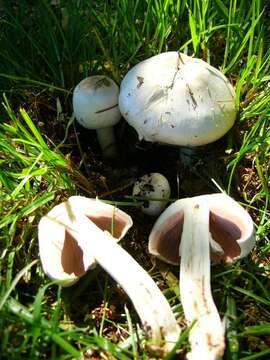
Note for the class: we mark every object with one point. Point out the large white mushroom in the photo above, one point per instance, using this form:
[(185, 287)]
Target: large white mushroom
[(175, 99), (95, 105), (192, 232), (80, 232)]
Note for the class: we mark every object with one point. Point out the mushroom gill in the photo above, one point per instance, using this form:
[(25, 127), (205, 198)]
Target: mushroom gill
[(115, 225), (72, 256), (167, 239), (224, 230)]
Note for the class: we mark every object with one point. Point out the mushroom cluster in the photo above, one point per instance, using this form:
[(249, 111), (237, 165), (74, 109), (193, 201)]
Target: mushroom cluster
[(173, 99), (170, 98)]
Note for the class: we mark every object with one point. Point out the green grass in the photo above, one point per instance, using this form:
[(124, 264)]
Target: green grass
[(44, 158)]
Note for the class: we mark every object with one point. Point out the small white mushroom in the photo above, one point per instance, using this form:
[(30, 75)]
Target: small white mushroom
[(175, 99), (153, 186), (186, 229), (95, 105), (76, 234)]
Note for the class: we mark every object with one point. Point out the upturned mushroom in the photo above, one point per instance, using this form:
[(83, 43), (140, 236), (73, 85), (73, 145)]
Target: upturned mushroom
[(154, 189), (80, 232), (62, 260), (172, 98), (192, 232), (95, 105)]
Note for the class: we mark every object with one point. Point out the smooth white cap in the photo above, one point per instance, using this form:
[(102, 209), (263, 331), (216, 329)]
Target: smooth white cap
[(175, 99), (153, 186), (95, 102)]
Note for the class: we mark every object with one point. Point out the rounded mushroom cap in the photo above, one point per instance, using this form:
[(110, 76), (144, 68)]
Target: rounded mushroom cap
[(176, 99), (152, 186), (61, 257), (230, 226), (95, 102)]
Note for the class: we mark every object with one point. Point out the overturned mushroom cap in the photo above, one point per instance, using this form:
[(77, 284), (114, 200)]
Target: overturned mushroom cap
[(62, 259), (95, 102), (175, 99), (77, 233), (231, 230), (191, 228)]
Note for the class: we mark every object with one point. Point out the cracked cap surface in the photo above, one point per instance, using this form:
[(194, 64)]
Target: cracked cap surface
[(175, 99)]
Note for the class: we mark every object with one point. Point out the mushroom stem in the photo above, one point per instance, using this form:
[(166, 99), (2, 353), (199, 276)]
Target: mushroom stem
[(107, 142), (187, 155), (207, 336), (152, 307)]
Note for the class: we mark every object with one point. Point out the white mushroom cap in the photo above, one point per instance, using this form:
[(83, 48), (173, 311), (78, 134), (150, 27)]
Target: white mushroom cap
[(230, 226), (152, 186), (62, 260), (95, 102), (175, 99)]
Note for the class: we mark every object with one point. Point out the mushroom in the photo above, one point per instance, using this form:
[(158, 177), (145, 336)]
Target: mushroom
[(198, 229), (175, 99), (80, 232), (95, 105), (155, 188), (60, 256)]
